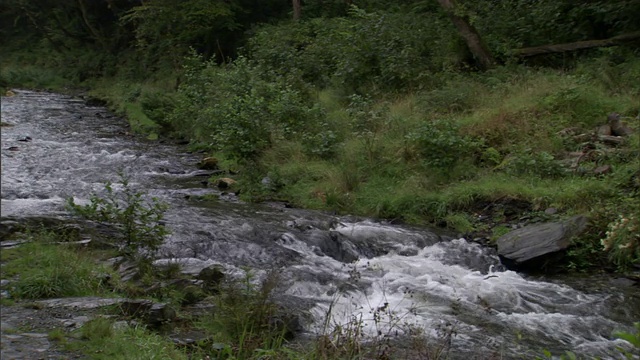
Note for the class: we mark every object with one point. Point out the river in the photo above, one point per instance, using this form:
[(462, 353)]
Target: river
[(335, 269)]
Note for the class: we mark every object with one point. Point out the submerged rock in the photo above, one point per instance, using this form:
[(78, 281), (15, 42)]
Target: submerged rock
[(526, 246)]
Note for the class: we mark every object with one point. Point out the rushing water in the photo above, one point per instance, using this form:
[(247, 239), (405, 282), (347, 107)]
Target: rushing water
[(334, 269)]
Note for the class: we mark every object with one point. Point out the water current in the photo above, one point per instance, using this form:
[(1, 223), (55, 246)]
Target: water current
[(334, 269)]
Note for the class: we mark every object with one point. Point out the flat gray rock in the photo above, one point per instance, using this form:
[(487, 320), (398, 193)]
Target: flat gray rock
[(537, 240)]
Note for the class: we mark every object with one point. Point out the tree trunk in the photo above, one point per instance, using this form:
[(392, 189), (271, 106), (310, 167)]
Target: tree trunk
[(297, 10), (94, 32), (469, 34), (579, 45)]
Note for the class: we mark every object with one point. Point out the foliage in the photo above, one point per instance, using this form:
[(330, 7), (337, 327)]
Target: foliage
[(140, 222), (528, 163), (246, 324), (157, 106), (633, 338), (393, 50), (47, 269), (622, 240), (521, 23), (248, 111), (440, 145), (101, 339)]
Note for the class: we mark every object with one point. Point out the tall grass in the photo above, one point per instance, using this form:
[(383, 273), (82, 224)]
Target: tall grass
[(46, 268)]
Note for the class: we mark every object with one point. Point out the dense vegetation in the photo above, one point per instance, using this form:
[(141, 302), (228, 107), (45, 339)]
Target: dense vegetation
[(369, 108)]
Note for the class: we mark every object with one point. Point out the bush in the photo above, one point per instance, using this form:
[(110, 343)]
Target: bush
[(158, 106), (622, 241), (366, 51), (440, 145), (246, 323), (241, 109), (539, 164), (140, 222)]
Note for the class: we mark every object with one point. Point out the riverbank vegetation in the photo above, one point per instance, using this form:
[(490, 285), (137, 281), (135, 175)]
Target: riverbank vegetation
[(364, 108)]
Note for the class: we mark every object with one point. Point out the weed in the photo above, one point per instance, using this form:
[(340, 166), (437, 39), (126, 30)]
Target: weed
[(49, 270), (57, 335), (140, 222), (246, 322), (100, 340)]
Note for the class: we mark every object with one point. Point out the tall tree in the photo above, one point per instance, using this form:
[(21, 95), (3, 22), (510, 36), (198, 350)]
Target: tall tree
[(469, 34), (297, 10)]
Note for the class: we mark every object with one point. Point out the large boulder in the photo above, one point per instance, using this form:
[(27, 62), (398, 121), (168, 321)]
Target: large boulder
[(532, 244)]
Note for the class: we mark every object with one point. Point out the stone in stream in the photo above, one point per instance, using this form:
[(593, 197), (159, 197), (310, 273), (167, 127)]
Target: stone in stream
[(532, 245), (209, 163), (211, 277), (225, 183)]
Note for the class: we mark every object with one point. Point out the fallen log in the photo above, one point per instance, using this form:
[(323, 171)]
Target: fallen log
[(578, 45)]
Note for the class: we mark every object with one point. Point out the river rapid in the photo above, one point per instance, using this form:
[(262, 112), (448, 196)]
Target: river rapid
[(394, 279)]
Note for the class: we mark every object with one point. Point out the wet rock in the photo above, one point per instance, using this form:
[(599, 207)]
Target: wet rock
[(95, 102), (9, 93), (13, 148), (602, 170), (25, 138), (76, 322), (526, 246), (172, 171), (190, 338), (89, 302), (188, 266), (153, 314), (333, 245), (225, 183), (604, 130), (12, 244), (160, 313), (200, 308), (211, 277), (8, 227), (618, 128), (128, 270), (373, 239), (209, 163)]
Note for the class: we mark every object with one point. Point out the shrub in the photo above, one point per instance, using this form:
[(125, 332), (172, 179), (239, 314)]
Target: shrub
[(157, 106), (139, 221), (540, 164), (366, 51), (241, 109), (622, 241), (246, 322), (440, 145)]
